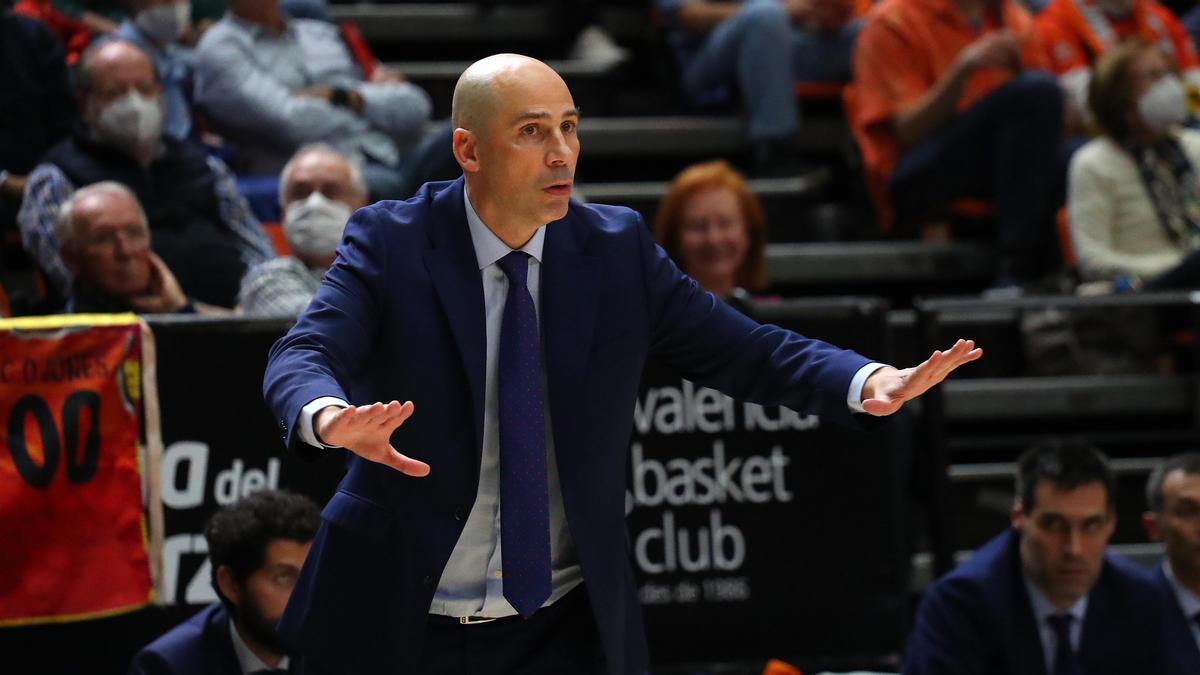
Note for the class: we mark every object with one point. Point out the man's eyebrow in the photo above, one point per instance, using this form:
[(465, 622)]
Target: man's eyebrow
[(536, 115)]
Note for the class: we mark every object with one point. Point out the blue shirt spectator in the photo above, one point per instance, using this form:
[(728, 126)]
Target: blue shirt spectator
[(272, 84)]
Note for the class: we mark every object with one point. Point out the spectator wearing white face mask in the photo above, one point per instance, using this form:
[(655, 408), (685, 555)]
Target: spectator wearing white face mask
[(157, 26), (1077, 32), (319, 190), (203, 229), (1134, 193)]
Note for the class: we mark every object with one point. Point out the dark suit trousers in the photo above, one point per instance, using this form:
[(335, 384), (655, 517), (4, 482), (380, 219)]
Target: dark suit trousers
[(561, 638)]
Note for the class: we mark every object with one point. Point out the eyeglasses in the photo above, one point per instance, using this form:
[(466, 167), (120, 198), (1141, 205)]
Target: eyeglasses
[(106, 240)]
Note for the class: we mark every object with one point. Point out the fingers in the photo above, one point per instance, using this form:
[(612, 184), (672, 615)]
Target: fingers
[(405, 465), (395, 414), (366, 431), (941, 364)]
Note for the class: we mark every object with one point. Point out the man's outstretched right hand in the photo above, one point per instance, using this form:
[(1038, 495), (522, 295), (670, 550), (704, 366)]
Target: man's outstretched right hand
[(366, 431)]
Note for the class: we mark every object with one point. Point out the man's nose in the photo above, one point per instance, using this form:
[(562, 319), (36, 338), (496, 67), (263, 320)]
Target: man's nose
[(559, 151), (1074, 543)]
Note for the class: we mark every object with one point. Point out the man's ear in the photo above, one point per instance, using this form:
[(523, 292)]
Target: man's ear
[(1151, 525), (229, 586), (1017, 515), (466, 150)]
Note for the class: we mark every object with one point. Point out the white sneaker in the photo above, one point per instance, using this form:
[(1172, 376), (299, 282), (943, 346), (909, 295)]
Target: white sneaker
[(596, 45)]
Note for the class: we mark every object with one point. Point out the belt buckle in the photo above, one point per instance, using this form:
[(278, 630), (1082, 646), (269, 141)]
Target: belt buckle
[(473, 620)]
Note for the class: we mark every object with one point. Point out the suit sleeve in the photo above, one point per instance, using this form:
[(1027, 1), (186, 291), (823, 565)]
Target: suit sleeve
[(948, 637), (717, 346), (331, 341)]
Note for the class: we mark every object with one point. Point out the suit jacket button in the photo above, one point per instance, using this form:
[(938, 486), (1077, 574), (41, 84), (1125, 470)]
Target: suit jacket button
[(427, 580), (460, 514)]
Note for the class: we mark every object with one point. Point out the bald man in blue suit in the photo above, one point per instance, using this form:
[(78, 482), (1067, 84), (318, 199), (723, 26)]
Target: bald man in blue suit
[(518, 320)]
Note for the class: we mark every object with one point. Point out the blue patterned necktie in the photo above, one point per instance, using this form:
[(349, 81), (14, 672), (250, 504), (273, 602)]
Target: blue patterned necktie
[(1065, 662), (524, 501)]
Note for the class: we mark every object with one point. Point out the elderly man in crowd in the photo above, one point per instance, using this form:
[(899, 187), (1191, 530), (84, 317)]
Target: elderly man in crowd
[(202, 227), (319, 190), (273, 84), (104, 240)]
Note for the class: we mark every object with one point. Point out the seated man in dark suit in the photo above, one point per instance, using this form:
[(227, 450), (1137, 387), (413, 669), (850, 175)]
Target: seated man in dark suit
[(1173, 517), (257, 547), (1044, 597)]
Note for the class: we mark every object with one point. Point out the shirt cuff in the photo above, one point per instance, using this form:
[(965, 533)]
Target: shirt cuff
[(854, 396), (308, 433)]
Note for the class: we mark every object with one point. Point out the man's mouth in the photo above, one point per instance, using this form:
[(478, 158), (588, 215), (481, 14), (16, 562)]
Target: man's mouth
[(560, 189)]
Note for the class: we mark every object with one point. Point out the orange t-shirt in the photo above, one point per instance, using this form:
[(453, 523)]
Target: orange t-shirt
[(902, 51), (1071, 43)]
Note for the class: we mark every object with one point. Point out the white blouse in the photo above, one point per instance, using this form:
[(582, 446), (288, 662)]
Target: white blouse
[(1114, 227)]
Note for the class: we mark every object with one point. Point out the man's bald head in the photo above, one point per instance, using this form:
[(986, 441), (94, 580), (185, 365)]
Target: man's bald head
[(112, 62), (482, 86), (516, 142)]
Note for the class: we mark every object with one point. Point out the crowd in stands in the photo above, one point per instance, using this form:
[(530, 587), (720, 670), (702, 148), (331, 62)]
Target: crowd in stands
[(957, 107)]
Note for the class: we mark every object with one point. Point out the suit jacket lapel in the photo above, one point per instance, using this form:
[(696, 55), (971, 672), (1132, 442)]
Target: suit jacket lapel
[(1027, 653), (1178, 627), (220, 644), (454, 270), (570, 294)]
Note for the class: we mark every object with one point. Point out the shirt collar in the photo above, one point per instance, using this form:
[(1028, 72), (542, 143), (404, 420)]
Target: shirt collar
[(1043, 608), (255, 30), (488, 247), (1188, 601), (247, 659)]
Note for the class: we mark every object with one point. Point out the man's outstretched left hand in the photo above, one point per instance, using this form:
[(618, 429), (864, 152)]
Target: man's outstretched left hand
[(887, 388)]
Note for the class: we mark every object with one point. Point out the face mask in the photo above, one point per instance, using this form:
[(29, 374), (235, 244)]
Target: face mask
[(313, 226), (164, 24), (1164, 104), (132, 123)]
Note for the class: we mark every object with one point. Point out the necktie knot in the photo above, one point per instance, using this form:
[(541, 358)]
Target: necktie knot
[(1061, 623), (515, 266)]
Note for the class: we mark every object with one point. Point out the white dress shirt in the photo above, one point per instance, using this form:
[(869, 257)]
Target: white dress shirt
[(247, 659), (1043, 609)]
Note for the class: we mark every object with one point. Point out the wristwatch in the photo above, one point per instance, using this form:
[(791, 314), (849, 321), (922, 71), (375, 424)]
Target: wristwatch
[(340, 97)]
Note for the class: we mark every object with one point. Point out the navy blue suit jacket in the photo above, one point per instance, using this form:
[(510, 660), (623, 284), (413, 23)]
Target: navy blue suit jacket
[(978, 620), (1183, 656), (199, 646), (400, 315)]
